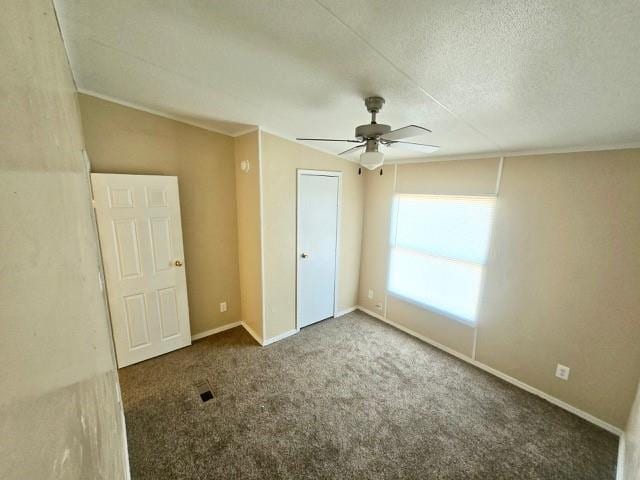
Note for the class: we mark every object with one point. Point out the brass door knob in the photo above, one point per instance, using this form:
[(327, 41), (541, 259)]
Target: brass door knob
[(178, 263)]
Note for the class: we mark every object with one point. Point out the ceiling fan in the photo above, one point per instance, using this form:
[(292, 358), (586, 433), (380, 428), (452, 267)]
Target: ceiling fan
[(370, 136)]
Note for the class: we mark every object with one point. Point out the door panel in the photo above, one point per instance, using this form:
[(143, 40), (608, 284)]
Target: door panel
[(156, 197), (169, 318), (161, 241), (120, 198), (135, 311), (126, 240), (141, 240), (317, 243)]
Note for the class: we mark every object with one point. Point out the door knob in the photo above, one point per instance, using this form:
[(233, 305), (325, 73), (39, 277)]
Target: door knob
[(304, 255), (178, 263)]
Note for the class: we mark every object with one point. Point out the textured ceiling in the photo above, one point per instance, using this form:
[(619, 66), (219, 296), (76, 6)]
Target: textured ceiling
[(500, 76)]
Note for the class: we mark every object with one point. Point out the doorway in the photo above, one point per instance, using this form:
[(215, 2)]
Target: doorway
[(318, 223)]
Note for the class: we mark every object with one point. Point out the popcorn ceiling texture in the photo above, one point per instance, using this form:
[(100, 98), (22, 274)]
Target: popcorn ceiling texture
[(346, 398), (507, 75)]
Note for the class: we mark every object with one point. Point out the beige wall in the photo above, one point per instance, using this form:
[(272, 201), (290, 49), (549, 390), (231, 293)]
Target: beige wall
[(561, 276), (124, 140), (60, 411), (249, 235), (471, 177), (631, 467), (378, 194), (280, 160), (561, 283)]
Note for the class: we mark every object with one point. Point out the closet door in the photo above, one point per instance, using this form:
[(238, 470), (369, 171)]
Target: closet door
[(318, 202)]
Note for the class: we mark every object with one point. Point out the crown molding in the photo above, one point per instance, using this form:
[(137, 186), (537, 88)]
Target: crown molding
[(519, 153)]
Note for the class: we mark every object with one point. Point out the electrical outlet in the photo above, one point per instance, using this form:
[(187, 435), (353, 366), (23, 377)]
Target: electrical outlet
[(379, 306), (370, 294), (223, 306), (562, 371)]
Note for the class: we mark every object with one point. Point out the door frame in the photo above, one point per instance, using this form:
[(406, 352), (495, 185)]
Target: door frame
[(319, 173)]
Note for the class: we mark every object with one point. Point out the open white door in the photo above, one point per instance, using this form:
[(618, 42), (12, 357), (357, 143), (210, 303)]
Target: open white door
[(318, 212), (141, 242)]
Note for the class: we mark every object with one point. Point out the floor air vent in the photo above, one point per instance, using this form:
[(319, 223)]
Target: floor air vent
[(204, 390)]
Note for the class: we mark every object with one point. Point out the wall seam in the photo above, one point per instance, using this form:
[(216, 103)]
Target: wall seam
[(386, 278), (262, 272)]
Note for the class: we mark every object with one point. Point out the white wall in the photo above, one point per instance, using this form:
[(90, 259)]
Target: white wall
[(60, 411)]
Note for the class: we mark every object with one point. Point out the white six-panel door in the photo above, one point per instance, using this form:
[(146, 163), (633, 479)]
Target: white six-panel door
[(141, 241), (318, 213)]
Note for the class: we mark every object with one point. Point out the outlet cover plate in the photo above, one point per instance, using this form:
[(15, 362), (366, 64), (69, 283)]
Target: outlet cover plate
[(562, 372)]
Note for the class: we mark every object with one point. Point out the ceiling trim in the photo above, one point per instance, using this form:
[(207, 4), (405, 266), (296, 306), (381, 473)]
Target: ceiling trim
[(312, 147), (169, 116), (519, 153), (244, 132)]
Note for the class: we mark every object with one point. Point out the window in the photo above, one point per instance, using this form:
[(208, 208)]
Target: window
[(438, 250)]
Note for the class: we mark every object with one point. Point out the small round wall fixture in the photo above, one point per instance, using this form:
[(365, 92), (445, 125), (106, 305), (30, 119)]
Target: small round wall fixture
[(245, 166)]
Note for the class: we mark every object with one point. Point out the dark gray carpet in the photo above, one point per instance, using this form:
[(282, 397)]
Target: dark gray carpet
[(346, 398)]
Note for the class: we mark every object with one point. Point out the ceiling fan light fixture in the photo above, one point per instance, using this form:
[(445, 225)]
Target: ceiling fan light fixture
[(371, 160)]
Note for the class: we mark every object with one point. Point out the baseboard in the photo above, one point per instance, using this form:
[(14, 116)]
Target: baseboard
[(213, 331), (620, 466), (344, 312), (255, 336), (514, 381), (374, 314), (277, 338), (284, 335)]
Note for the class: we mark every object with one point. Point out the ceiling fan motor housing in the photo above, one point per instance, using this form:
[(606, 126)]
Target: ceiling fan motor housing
[(374, 104), (372, 130)]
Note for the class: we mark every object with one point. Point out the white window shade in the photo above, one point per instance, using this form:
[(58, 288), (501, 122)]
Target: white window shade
[(439, 248)]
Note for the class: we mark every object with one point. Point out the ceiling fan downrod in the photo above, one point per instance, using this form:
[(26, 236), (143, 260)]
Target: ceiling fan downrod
[(374, 105)]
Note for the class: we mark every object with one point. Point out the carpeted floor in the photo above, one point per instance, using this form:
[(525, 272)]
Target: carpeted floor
[(348, 398)]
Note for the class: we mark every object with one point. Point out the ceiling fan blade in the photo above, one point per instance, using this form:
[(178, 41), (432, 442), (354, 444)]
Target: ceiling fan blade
[(327, 140), (416, 147), (405, 132), (352, 149)]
